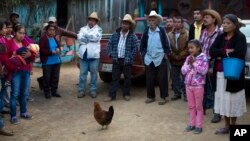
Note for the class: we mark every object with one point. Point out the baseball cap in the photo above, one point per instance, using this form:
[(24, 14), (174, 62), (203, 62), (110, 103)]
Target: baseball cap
[(52, 19)]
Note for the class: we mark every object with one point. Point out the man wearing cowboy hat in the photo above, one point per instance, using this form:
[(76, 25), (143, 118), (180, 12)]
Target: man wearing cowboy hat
[(122, 47), (14, 18), (154, 49), (89, 38), (211, 21)]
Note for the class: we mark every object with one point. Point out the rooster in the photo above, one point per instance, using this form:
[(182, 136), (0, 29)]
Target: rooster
[(103, 117)]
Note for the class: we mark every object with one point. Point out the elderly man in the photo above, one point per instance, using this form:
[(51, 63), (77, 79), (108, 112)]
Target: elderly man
[(178, 40), (154, 49), (89, 37), (122, 47), (211, 21)]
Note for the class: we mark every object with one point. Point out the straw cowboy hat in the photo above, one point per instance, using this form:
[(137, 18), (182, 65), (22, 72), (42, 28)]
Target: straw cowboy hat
[(154, 14), (93, 15), (241, 24), (129, 19), (214, 14)]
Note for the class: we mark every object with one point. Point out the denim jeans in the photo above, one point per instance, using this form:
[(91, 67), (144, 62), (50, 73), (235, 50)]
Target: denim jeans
[(19, 91), (5, 91), (1, 122), (92, 67), (1, 95)]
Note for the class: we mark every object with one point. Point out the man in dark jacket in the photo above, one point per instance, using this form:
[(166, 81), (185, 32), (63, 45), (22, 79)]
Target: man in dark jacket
[(197, 27), (154, 49), (122, 47)]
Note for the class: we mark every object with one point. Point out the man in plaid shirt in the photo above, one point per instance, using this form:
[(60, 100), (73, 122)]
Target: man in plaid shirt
[(122, 47), (212, 21)]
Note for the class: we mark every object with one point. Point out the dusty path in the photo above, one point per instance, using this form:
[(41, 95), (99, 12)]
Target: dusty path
[(67, 118)]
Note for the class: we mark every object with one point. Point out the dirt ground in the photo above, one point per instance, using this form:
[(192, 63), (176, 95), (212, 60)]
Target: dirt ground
[(71, 119)]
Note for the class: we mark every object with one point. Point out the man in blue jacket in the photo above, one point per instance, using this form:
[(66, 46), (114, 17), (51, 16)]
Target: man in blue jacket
[(154, 49)]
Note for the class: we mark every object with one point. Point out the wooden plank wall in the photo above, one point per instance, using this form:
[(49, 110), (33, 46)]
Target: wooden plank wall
[(109, 11)]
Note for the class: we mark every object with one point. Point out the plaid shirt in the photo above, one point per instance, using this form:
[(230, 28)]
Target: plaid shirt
[(121, 45), (207, 41), (131, 47)]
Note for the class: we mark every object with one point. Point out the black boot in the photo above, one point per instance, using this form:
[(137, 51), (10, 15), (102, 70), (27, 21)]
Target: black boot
[(40, 82), (216, 118)]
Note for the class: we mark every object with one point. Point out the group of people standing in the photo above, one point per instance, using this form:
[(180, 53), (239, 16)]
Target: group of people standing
[(194, 58)]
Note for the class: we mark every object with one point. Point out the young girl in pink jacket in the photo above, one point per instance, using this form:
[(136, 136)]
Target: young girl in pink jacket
[(194, 70)]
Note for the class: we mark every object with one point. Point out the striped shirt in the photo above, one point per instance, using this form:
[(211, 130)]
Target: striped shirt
[(207, 41), (121, 45)]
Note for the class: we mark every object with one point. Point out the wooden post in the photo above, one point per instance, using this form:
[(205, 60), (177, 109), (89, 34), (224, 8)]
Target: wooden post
[(210, 4)]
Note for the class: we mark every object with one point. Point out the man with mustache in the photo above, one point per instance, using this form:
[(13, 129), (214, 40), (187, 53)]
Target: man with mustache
[(212, 21)]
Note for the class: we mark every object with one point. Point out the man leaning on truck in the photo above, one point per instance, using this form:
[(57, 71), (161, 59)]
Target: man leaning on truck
[(122, 48), (89, 38)]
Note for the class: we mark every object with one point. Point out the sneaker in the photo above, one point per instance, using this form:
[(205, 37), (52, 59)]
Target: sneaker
[(93, 94), (6, 132), (197, 130), (56, 95), (30, 99), (40, 83), (175, 97), (81, 94), (222, 131), (47, 96), (189, 128), (149, 100), (108, 99), (216, 118), (126, 98), (14, 121), (162, 101), (26, 116)]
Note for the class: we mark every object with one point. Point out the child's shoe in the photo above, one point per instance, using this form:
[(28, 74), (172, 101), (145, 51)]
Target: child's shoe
[(189, 128), (197, 130)]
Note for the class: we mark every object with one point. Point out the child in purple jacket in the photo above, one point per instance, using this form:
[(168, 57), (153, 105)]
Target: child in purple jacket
[(194, 70)]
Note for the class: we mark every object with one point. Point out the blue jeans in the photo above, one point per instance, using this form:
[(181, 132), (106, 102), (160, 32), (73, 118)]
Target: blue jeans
[(5, 91), (92, 67), (1, 107), (19, 91), (1, 122)]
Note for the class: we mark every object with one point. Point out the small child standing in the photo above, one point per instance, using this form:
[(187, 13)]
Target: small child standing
[(194, 70)]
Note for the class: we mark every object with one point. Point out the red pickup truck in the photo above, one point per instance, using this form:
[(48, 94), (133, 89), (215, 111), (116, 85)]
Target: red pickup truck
[(105, 67)]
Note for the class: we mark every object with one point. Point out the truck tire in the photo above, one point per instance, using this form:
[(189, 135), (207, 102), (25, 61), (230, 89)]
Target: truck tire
[(105, 76)]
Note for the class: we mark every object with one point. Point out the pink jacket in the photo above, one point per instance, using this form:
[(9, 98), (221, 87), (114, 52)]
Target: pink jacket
[(195, 74)]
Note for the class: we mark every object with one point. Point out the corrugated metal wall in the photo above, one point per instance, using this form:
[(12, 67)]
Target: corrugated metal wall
[(109, 11)]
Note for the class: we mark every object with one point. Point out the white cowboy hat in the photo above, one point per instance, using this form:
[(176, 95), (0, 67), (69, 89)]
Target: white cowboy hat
[(52, 19), (94, 15), (129, 19), (154, 14)]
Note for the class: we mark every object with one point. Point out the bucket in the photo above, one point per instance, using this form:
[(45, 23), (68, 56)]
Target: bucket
[(232, 68)]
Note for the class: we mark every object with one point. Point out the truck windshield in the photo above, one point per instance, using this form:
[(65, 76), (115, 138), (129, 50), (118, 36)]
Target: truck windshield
[(140, 26), (245, 30)]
